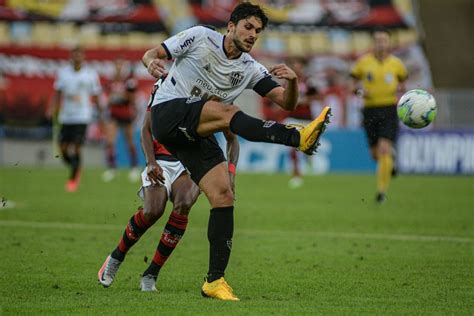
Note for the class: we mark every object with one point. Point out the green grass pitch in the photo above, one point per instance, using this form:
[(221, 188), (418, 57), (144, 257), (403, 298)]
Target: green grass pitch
[(325, 248)]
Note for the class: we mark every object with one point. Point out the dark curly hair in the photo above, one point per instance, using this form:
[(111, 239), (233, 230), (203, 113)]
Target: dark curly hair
[(247, 9)]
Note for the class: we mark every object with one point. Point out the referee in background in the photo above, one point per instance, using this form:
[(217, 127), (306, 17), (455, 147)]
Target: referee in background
[(378, 76)]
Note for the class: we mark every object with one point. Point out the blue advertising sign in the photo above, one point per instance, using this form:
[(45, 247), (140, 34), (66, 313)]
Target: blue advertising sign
[(340, 151), (418, 151), (445, 152)]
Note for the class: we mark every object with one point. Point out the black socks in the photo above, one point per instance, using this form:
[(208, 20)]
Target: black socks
[(257, 130), (219, 232), (75, 161)]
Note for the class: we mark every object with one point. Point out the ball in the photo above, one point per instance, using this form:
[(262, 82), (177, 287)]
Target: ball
[(416, 108)]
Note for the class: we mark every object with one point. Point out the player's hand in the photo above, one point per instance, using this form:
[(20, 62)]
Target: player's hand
[(359, 93), (232, 183), (155, 173), (157, 68), (282, 71)]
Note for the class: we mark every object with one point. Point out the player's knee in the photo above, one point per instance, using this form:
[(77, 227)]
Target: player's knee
[(230, 111), (152, 214), (225, 113), (183, 206), (384, 149), (221, 197)]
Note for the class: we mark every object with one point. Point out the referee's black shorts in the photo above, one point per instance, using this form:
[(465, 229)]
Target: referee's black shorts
[(174, 124), (380, 122)]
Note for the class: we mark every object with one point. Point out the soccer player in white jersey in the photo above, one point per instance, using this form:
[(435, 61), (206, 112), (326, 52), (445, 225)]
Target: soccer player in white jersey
[(74, 87), (209, 72), (163, 179)]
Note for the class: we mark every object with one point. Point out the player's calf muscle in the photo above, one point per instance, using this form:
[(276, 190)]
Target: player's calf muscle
[(183, 206)]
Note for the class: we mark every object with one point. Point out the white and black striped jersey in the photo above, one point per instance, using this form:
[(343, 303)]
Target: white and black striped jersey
[(202, 69)]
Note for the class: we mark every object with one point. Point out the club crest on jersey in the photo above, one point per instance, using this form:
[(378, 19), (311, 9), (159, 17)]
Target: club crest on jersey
[(236, 78)]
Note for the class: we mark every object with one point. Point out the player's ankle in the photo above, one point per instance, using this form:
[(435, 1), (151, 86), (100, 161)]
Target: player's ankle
[(117, 254)]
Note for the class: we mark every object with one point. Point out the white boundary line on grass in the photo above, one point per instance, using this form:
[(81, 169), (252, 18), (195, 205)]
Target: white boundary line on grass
[(343, 235)]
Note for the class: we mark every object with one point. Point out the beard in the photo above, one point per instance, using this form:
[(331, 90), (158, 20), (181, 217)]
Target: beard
[(240, 46)]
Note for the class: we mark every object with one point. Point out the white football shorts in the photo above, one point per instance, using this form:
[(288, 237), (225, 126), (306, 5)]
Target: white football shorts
[(171, 171)]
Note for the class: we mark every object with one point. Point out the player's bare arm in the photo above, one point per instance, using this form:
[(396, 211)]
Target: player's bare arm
[(55, 105), (286, 98), (96, 102), (355, 87), (153, 170), (153, 60), (401, 88), (233, 149)]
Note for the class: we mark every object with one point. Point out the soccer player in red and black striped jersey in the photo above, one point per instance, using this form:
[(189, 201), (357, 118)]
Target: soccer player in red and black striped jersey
[(164, 178), (121, 90)]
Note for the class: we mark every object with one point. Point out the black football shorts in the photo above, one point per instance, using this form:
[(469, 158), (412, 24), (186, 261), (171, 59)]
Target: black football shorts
[(380, 122), (174, 124)]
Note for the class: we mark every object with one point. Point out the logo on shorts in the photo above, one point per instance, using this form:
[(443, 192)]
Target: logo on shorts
[(193, 98), (229, 244), (186, 134), (268, 124), (236, 78)]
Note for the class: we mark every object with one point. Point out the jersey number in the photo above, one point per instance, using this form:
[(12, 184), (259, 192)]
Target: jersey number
[(197, 92)]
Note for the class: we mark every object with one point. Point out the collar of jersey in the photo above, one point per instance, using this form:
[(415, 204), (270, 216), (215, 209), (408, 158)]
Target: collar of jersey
[(225, 53)]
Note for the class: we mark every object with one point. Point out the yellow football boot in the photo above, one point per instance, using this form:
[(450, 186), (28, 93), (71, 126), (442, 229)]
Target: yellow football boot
[(310, 134), (218, 289)]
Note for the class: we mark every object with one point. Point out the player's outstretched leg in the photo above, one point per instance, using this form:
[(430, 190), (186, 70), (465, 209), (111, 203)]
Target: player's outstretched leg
[(155, 201), (384, 168), (172, 234), (75, 163), (305, 139), (185, 194), (136, 227), (108, 271), (311, 133), (110, 154)]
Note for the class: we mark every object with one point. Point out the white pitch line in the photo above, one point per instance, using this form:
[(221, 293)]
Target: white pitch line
[(343, 235)]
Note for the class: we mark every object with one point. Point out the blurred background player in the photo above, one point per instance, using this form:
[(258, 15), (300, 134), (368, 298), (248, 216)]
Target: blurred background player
[(74, 87), (382, 76), (3, 95), (121, 92), (302, 115), (163, 179)]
